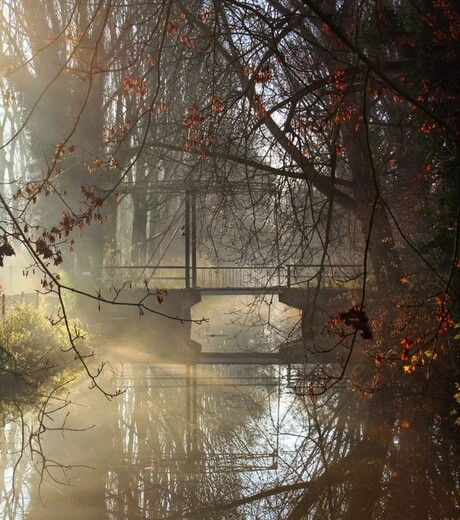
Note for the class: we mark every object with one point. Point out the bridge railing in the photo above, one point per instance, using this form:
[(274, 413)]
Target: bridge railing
[(240, 277), (206, 277), (235, 277)]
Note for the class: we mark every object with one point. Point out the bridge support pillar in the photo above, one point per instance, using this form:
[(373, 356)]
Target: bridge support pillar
[(163, 335), (317, 306)]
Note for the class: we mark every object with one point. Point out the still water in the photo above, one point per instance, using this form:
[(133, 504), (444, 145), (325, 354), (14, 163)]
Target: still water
[(177, 440), (230, 442)]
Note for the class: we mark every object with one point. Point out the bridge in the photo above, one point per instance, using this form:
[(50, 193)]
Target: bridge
[(295, 285), (301, 286)]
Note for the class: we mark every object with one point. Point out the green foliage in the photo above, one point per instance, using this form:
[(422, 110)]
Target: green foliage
[(32, 355)]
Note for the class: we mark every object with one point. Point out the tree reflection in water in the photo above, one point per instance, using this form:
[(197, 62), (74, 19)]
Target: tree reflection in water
[(247, 452)]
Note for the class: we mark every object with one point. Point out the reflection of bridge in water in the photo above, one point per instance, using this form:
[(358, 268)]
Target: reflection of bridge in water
[(199, 390)]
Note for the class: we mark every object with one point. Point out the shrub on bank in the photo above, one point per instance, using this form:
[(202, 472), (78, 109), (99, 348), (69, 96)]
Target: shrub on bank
[(33, 360)]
